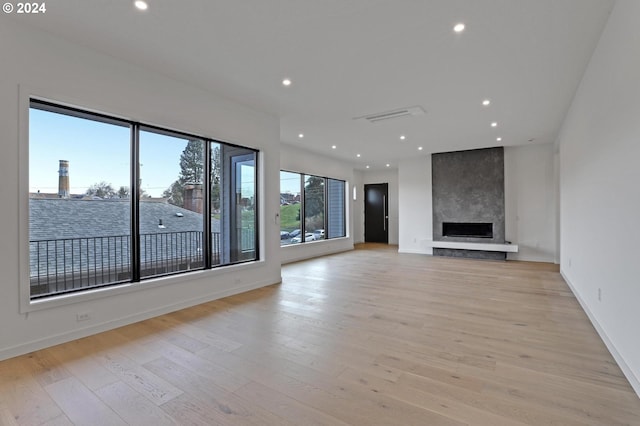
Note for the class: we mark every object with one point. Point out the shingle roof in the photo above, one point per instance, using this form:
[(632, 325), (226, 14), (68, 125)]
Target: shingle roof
[(76, 243), (51, 219)]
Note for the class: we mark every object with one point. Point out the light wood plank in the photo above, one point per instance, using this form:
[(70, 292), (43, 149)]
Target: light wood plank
[(131, 406), (221, 404), (77, 358), (148, 384), (364, 337), (285, 407), (23, 397), (81, 405)]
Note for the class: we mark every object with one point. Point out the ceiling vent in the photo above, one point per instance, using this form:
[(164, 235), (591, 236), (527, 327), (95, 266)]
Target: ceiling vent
[(396, 113)]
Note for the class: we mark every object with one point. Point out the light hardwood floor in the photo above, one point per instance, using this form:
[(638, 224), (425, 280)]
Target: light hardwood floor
[(368, 337)]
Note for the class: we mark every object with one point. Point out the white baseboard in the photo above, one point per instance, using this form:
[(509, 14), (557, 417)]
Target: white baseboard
[(414, 251), (626, 370), (57, 339), (305, 253)]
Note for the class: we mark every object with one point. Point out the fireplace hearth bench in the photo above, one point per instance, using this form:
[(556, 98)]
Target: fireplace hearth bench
[(507, 248)]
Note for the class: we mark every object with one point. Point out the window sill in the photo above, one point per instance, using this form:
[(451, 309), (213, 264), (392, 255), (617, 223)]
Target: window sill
[(306, 243), (90, 295)]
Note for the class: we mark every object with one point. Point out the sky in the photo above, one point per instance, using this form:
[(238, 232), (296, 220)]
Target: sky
[(100, 152), (289, 182)]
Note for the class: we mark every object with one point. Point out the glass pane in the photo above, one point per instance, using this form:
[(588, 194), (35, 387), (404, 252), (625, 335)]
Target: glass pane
[(335, 208), (244, 188), (79, 210), (237, 214), (171, 203), (314, 208), (290, 224), (216, 204)]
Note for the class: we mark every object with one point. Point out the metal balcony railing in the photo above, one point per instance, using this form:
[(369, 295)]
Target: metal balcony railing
[(64, 265)]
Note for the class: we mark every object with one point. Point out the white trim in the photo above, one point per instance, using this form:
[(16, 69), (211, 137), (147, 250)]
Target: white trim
[(57, 339), (414, 251), (23, 199), (313, 249), (129, 287), (634, 381), (509, 248)]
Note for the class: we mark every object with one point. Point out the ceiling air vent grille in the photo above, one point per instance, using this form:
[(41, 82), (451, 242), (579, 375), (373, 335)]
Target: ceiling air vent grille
[(389, 115)]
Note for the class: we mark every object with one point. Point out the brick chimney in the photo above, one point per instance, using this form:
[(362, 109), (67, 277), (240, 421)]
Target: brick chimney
[(193, 197), (63, 179)]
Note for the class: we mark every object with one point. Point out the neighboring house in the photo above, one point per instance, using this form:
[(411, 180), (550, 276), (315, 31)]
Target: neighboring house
[(78, 242), (289, 198)]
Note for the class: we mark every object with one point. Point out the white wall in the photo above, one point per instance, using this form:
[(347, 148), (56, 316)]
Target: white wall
[(357, 207), (600, 189), (295, 159), (34, 63), (415, 206), (383, 176), (530, 201)]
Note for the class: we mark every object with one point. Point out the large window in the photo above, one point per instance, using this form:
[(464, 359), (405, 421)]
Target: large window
[(311, 208), (128, 201)]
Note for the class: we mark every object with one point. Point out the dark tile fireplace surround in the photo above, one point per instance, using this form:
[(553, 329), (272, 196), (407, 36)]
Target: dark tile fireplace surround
[(468, 200)]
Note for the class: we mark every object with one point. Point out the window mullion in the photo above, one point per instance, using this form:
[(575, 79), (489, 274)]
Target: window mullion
[(206, 206), (326, 208), (135, 203), (303, 213)]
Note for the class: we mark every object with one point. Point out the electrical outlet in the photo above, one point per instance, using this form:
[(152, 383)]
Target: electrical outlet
[(599, 295), (83, 316)]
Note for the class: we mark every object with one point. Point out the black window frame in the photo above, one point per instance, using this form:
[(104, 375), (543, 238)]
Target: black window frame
[(303, 229), (135, 127)]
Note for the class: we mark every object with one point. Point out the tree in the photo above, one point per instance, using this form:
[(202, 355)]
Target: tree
[(314, 196), (174, 194), (123, 192), (102, 190), (192, 171), (143, 194), (215, 178), (191, 163), (314, 203)]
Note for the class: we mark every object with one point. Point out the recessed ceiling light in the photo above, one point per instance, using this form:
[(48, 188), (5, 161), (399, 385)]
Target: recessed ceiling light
[(141, 4), (301, 135), (388, 165), (419, 148), (499, 139), (402, 137), (333, 147), (486, 102), (358, 155), (458, 27), (286, 82), (367, 166), (494, 124)]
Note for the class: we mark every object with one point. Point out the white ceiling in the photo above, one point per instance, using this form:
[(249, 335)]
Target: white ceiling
[(349, 58)]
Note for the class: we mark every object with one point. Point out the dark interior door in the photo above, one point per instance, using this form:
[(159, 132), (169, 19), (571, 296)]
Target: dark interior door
[(376, 216)]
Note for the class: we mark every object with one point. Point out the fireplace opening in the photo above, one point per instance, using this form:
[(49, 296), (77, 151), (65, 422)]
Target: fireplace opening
[(463, 229)]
